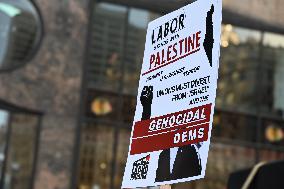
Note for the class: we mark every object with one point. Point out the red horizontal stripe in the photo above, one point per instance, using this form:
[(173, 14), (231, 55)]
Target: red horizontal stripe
[(165, 141), (141, 128)]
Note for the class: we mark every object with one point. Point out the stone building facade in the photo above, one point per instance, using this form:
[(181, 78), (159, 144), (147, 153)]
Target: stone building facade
[(268, 11), (51, 83)]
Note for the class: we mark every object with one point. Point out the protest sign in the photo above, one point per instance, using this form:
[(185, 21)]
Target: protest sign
[(176, 97)]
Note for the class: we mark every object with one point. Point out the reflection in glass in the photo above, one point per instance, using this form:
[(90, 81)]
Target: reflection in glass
[(21, 151), (272, 132), (238, 68), (122, 148), (3, 137), (273, 74), (234, 126), (96, 156), (20, 33), (273, 40), (116, 54), (106, 47), (4, 31), (117, 47), (102, 105), (135, 41)]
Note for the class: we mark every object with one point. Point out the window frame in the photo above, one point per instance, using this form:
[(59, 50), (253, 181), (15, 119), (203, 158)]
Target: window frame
[(14, 109)]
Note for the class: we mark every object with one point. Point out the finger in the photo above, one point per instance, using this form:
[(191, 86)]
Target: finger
[(165, 187)]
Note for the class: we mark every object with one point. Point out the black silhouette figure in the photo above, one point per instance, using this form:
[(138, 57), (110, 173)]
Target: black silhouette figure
[(146, 99), (209, 40), (186, 164)]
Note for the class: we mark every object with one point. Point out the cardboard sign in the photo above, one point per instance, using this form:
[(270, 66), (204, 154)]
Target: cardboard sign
[(176, 97)]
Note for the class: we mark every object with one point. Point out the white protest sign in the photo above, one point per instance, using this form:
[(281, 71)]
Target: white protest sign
[(176, 97)]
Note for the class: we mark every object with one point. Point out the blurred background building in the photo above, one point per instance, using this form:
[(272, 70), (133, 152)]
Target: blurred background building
[(66, 116)]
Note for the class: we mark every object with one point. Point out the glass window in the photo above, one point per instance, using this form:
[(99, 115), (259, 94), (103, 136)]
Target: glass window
[(238, 69), (21, 151), (4, 32), (116, 53), (237, 100), (3, 138), (96, 156), (106, 50), (121, 157), (135, 42), (20, 33), (272, 76), (234, 126)]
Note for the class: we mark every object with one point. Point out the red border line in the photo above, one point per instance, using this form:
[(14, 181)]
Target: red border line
[(173, 130), (177, 125), (171, 61)]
